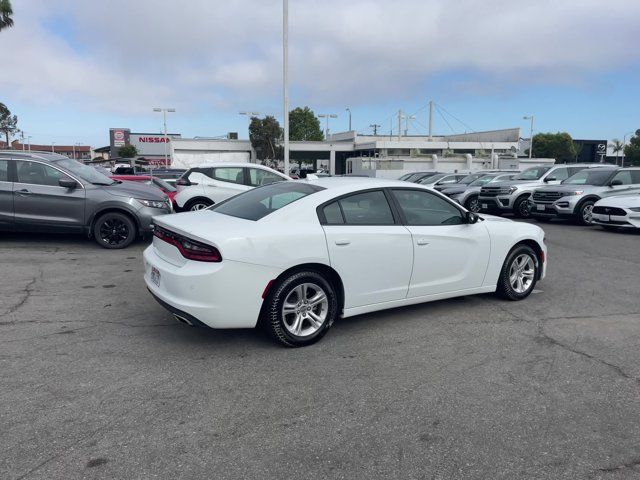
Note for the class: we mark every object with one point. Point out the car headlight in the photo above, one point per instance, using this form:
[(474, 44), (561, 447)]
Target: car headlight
[(512, 189), (575, 192), (635, 209), (152, 203)]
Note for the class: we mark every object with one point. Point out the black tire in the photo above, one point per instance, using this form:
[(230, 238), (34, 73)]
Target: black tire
[(585, 213), (280, 327), (522, 208), (505, 289), (197, 204), (472, 204), (114, 230)]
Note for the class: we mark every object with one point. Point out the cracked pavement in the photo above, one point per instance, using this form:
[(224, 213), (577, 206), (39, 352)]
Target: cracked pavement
[(98, 381)]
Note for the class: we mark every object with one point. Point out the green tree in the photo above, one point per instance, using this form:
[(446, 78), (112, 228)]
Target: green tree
[(5, 14), (304, 125), (554, 145), (632, 151), (127, 151), (617, 147), (8, 123), (265, 135)]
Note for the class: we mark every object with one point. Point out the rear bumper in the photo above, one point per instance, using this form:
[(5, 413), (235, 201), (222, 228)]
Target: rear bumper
[(219, 295)]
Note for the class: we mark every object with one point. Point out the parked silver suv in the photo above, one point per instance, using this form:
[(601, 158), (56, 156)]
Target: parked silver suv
[(576, 196), (513, 196), (47, 192)]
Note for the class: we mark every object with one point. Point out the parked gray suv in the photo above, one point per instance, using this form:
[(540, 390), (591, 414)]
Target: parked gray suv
[(47, 192), (575, 197)]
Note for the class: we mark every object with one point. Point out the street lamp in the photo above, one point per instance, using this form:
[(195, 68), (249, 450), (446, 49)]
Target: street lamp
[(77, 144), (624, 142), (52, 144), (285, 81), (530, 117), (327, 116), (349, 110), (29, 141), (166, 137)]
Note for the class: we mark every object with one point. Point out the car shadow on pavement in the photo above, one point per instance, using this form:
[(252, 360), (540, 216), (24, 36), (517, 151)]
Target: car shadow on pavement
[(61, 240)]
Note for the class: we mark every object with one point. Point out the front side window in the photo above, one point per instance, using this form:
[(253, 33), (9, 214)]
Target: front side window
[(425, 208), (481, 181), (560, 174), (368, 208), (35, 173), (85, 172), (589, 176), (259, 177), (259, 202), (229, 174), (623, 176)]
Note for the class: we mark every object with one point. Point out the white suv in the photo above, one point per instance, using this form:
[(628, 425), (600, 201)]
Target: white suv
[(209, 183)]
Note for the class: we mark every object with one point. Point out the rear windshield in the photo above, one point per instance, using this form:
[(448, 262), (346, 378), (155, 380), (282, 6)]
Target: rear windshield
[(260, 202)]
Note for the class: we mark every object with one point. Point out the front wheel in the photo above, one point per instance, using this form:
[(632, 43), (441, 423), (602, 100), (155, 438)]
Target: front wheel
[(198, 204), (522, 208), (114, 230), (585, 213), (301, 309), (472, 204), (519, 273)]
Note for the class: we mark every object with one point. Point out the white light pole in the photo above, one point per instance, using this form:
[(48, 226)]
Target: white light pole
[(29, 141), (52, 144), (327, 116), (285, 80), (249, 116), (166, 137), (349, 110), (624, 142), (530, 117)]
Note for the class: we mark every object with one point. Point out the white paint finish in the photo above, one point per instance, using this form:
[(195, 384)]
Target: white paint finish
[(448, 258), (374, 262)]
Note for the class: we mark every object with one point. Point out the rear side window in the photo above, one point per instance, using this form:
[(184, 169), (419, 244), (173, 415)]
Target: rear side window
[(4, 170), (333, 214), (229, 174), (35, 173), (260, 202), (425, 208), (368, 208)]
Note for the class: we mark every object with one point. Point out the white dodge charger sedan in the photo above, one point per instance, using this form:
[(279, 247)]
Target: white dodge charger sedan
[(295, 256)]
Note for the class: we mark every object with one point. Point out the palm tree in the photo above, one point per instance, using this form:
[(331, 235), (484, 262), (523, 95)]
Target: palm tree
[(5, 14), (617, 147)]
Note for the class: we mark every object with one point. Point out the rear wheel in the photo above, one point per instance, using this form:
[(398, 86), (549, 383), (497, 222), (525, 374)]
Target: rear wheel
[(472, 204), (114, 230), (519, 273), (198, 204), (585, 213), (301, 309), (522, 208)]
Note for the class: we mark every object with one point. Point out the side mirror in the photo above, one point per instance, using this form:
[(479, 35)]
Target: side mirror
[(471, 217), (67, 182), (550, 179), (615, 183)]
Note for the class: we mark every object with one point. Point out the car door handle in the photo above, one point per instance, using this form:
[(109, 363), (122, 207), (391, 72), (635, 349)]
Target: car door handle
[(422, 242), (23, 192), (343, 241)]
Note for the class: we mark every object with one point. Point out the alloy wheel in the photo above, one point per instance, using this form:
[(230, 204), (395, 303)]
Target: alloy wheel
[(521, 273), (305, 309), (587, 214), (198, 206), (524, 209), (114, 231), (473, 205)]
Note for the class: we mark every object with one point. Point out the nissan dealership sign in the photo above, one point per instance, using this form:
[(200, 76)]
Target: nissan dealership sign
[(147, 144)]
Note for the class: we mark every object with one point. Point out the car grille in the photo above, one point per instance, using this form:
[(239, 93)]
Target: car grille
[(546, 196), (609, 211), (493, 191)]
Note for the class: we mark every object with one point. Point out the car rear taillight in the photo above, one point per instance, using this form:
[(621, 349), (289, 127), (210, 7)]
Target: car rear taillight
[(188, 248)]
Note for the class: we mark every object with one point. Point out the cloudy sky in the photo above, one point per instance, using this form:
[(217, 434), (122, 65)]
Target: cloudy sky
[(70, 69)]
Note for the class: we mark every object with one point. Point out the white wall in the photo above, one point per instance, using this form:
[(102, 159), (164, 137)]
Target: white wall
[(188, 159)]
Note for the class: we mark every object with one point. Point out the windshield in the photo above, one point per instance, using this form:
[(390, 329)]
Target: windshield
[(85, 172), (533, 173), (591, 176), (432, 178), (260, 202), (471, 179), (482, 181)]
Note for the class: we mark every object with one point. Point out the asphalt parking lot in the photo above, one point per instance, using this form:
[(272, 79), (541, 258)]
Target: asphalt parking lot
[(98, 381)]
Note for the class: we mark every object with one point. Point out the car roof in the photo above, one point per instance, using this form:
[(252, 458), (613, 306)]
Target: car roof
[(33, 154), (231, 164), (357, 182)]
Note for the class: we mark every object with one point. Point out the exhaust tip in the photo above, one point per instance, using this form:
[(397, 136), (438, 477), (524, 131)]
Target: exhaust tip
[(182, 319)]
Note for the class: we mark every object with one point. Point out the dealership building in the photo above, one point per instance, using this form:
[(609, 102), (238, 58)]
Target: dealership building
[(153, 148)]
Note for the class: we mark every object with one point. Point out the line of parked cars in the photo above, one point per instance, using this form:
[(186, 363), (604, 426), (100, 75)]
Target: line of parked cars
[(589, 193)]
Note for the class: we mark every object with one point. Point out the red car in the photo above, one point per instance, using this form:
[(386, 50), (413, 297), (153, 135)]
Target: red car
[(149, 180)]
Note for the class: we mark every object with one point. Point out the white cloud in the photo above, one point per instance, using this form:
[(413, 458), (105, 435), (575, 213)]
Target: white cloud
[(124, 55)]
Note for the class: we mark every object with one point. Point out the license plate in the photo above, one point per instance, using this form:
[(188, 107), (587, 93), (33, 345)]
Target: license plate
[(540, 207), (604, 218), (155, 276), (485, 206)]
